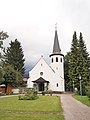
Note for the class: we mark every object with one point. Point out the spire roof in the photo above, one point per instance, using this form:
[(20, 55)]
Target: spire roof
[(56, 47)]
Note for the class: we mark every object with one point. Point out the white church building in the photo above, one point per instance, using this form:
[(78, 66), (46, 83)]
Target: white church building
[(45, 77)]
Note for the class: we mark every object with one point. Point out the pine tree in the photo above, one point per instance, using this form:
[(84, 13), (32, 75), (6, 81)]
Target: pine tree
[(83, 62), (14, 56), (73, 62), (68, 84)]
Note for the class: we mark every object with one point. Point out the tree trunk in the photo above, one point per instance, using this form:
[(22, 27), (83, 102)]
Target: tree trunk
[(6, 87)]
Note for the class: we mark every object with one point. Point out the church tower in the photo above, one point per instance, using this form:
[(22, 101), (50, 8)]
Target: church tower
[(57, 59)]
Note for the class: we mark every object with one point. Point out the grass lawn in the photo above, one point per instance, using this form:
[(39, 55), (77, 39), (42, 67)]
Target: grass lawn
[(83, 99), (44, 108)]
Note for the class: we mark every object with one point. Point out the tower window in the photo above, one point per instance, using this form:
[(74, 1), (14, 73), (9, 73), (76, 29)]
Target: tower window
[(56, 59), (41, 73), (52, 59), (61, 59), (57, 84)]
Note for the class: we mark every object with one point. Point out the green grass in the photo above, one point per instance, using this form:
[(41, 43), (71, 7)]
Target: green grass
[(44, 108), (83, 99)]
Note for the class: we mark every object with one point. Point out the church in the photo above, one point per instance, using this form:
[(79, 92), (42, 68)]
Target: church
[(44, 77)]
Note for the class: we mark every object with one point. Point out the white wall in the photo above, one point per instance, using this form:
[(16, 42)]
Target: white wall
[(48, 75)]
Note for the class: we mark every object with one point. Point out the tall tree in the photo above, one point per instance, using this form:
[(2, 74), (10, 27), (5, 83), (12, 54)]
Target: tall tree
[(77, 62), (73, 62), (14, 56), (83, 62), (68, 83)]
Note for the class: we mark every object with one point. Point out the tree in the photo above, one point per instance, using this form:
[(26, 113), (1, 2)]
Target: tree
[(10, 76), (77, 62), (14, 56), (83, 62), (68, 83), (3, 36), (73, 62)]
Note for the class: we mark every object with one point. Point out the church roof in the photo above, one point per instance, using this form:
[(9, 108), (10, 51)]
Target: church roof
[(56, 47), (41, 80)]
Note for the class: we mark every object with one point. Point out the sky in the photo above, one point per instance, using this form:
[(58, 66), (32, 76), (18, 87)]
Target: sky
[(32, 22)]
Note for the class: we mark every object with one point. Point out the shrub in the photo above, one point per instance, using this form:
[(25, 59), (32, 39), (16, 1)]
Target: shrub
[(88, 91), (30, 94), (43, 92), (50, 92)]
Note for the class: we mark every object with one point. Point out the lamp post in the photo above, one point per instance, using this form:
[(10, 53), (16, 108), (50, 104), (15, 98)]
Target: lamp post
[(80, 85)]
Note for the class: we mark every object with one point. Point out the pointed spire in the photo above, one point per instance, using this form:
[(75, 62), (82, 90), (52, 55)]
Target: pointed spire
[(56, 47)]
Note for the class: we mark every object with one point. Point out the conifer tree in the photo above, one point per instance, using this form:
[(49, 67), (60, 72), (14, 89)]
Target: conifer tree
[(68, 84), (73, 62), (79, 63), (14, 56), (83, 62)]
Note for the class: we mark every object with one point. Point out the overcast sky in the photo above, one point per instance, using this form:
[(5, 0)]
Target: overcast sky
[(32, 22)]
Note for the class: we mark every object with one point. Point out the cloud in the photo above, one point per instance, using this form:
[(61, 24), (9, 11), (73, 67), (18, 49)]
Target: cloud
[(32, 22)]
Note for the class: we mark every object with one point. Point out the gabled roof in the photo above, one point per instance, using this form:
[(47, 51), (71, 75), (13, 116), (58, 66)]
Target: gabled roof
[(40, 80), (41, 63)]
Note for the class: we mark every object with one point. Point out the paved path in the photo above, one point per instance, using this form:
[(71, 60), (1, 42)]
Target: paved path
[(73, 109)]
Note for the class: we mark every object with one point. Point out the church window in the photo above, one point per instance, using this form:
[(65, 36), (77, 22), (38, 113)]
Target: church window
[(41, 73), (52, 59), (56, 59), (41, 64), (61, 59), (57, 84)]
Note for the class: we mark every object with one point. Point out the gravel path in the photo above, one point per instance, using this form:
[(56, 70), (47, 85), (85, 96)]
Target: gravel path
[(73, 109)]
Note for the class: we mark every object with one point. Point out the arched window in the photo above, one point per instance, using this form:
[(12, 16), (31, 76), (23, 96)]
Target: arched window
[(57, 84), (52, 60), (61, 59), (56, 59)]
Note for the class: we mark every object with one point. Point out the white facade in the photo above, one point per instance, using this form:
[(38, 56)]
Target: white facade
[(45, 77)]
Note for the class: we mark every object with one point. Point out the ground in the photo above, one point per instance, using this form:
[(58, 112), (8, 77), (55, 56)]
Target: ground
[(73, 109)]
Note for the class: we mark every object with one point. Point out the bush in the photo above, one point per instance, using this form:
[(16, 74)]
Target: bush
[(43, 92), (88, 91), (30, 94), (50, 92)]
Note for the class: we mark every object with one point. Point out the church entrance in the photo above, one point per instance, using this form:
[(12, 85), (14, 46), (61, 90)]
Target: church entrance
[(41, 86)]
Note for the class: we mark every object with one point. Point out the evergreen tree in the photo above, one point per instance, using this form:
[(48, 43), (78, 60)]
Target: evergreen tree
[(83, 62), (73, 62), (68, 84), (77, 63), (14, 56)]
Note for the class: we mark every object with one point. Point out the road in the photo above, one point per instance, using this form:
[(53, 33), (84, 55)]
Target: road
[(73, 109)]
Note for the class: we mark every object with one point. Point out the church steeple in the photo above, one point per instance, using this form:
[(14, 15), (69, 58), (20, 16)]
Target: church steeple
[(56, 46)]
